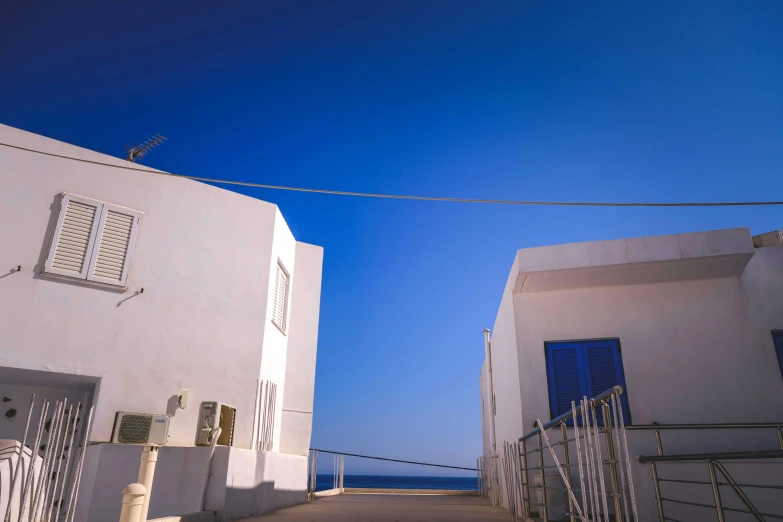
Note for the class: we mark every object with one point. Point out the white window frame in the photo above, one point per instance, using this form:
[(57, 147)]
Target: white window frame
[(128, 253), (48, 268), (284, 327), (102, 210)]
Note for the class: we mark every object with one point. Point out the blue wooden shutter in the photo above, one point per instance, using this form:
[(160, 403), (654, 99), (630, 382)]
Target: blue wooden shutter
[(564, 376), (604, 369), (777, 337)]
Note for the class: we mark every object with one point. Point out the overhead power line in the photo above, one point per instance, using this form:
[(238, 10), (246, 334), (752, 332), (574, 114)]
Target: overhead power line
[(393, 460), (414, 197)]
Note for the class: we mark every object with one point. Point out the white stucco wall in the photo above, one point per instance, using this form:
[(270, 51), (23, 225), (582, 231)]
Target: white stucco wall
[(297, 410), (204, 257), (178, 487), (503, 341), (275, 341), (684, 344), (694, 351)]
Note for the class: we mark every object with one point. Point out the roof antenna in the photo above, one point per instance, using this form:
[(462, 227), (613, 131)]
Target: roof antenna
[(139, 151)]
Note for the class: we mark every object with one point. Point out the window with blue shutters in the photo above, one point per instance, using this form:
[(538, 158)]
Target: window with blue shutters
[(577, 369), (777, 337)]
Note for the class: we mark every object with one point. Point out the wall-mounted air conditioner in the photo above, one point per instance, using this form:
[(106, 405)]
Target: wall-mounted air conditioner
[(213, 415), (140, 428)]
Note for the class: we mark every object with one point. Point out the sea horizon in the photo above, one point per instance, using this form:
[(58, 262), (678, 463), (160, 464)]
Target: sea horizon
[(466, 483)]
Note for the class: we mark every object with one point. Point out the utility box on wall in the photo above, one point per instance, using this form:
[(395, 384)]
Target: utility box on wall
[(213, 415)]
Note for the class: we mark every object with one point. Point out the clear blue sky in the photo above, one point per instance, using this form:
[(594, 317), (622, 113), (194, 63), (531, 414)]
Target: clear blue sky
[(518, 99)]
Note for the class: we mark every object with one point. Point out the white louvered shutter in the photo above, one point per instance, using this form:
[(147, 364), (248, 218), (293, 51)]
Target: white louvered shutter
[(74, 237), (115, 240), (280, 298)]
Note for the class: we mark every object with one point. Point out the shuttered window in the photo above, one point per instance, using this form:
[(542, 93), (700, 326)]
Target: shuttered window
[(280, 299), (93, 240), (76, 236), (577, 369)]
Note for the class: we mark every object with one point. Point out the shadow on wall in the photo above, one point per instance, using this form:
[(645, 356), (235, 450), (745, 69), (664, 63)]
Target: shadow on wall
[(259, 500), (234, 483)]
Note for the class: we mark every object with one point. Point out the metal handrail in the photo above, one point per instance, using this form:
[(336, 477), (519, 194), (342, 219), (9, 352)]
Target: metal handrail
[(713, 464), (601, 397), (729, 425), (734, 455), (619, 486)]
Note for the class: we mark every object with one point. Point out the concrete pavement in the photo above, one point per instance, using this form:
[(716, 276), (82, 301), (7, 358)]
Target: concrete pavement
[(389, 508)]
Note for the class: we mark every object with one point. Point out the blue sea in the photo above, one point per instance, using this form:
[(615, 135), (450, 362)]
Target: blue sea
[(324, 482)]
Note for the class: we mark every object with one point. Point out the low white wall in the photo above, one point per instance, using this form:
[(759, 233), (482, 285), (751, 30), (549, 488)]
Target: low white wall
[(238, 483), (178, 487), (246, 483)]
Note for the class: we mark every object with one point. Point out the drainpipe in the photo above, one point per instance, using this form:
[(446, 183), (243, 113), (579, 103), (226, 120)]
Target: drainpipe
[(215, 436), (149, 458), (490, 392)]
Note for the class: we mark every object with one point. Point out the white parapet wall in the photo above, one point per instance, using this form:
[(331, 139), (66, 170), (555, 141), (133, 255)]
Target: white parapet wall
[(247, 483), (237, 483)]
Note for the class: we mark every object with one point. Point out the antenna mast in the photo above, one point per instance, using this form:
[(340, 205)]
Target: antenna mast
[(139, 151)]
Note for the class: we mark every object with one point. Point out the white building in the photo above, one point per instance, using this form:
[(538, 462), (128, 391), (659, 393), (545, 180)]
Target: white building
[(136, 285), (690, 325)]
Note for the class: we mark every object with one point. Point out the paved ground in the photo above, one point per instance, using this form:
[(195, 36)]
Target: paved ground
[(389, 508)]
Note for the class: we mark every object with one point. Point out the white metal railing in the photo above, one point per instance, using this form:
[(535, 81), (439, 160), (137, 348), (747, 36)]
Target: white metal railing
[(44, 482)]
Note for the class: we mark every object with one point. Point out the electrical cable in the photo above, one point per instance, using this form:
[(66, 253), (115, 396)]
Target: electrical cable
[(392, 460), (413, 197)]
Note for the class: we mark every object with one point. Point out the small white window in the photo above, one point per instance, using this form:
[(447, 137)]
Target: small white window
[(280, 303), (93, 241)]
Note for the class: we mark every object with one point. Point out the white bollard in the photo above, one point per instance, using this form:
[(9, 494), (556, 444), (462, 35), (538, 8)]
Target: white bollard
[(133, 503), (149, 458)]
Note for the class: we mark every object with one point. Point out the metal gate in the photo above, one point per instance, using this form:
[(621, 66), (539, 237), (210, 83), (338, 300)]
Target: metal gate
[(44, 479), (597, 487)]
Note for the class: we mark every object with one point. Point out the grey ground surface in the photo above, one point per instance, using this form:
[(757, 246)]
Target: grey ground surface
[(389, 508)]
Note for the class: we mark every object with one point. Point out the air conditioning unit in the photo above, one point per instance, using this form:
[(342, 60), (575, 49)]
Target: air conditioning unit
[(140, 428), (213, 415)]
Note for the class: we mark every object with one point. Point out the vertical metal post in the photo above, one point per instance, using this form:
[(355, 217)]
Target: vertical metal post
[(738, 490), (34, 455), (19, 462), (544, 513), (567, 462), (657, 484), (611, 457), (715, 490), (76, 481), (526, 481), (518, 467)]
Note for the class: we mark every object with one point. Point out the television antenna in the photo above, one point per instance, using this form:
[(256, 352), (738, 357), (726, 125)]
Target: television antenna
[(139, 151)]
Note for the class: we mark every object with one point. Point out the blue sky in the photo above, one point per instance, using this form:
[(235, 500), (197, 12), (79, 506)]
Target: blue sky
[(519, 99)]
